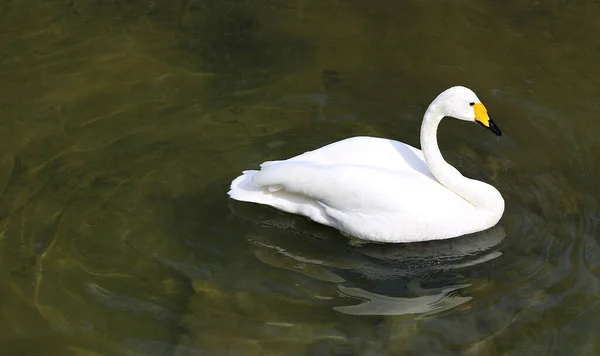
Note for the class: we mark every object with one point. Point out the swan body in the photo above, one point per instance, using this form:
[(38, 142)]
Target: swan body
[(383, 190)]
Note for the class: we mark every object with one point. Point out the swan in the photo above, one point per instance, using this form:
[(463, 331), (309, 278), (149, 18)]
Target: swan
[(381, 190)]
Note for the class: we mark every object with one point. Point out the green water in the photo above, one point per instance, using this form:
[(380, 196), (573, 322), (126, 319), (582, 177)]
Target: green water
[(122, 124)]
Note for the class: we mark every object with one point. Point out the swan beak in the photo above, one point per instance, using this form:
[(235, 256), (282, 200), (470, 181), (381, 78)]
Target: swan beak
[(482, 118), (494, 128)]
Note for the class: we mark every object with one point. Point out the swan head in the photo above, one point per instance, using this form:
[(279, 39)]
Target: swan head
[(463, 104)]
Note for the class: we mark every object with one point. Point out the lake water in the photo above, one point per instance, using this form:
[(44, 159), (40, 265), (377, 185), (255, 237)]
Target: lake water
[(123, 123)]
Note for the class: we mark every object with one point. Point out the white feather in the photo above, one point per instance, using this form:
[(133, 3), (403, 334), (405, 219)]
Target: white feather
[(378, 189)]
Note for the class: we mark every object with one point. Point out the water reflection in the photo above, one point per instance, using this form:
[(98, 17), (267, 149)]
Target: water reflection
[(429, 304), (287, 241)]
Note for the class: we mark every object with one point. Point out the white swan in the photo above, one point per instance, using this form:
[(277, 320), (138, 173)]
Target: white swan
[(382, 190)]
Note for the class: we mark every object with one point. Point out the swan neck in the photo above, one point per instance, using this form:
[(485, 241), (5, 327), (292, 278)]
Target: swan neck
[(441, 170), (429, 144), (479, 194)]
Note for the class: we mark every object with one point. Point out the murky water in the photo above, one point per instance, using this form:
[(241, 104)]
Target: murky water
[(124, 122)]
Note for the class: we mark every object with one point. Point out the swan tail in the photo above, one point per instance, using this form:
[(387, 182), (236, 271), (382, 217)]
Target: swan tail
[(244, 189)]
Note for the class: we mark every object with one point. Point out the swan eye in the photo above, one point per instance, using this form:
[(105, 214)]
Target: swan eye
[(471, 104)]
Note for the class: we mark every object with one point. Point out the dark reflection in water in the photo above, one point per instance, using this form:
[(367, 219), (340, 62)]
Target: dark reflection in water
[(124, 122)]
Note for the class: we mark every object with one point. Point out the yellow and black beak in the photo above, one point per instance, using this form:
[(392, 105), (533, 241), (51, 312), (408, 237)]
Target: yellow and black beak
[(482, 118)]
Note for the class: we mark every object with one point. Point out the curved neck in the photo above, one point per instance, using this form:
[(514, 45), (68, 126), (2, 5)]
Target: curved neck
[(479, 194)]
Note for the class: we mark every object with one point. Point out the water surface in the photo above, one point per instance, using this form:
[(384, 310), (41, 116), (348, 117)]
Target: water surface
[(124, 122)]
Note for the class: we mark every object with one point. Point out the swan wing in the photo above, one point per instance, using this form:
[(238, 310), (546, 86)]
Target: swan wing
[(371, 203), (359, 188)]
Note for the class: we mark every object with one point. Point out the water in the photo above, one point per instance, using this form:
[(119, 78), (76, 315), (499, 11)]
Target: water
[(124, 122)]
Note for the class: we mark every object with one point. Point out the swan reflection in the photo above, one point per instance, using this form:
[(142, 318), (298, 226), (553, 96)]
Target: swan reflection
[(377, 304), (391, 279)]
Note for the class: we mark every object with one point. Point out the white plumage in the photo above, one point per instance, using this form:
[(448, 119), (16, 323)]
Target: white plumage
[(383, 190)]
